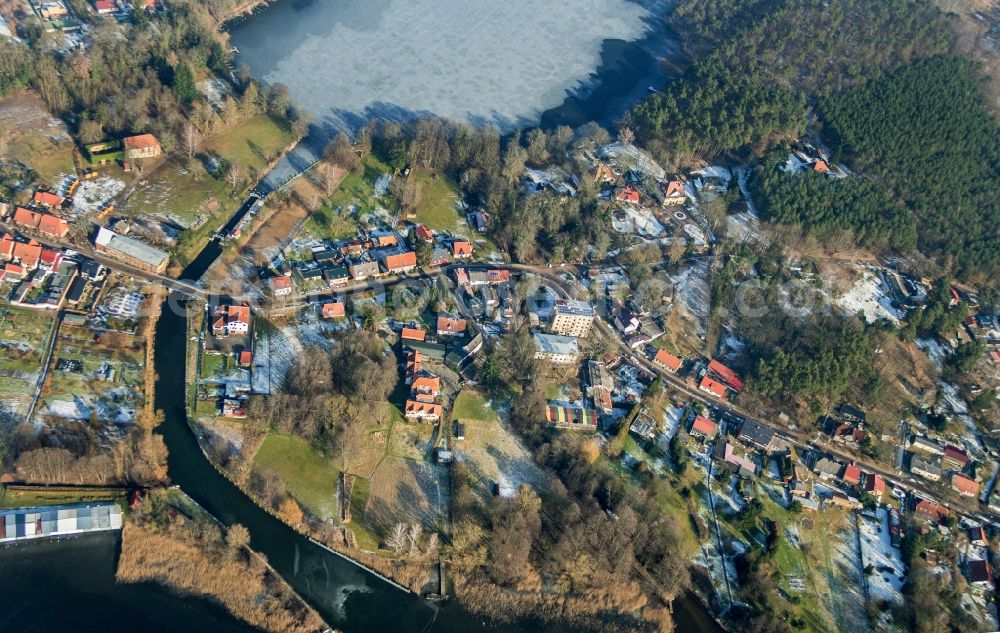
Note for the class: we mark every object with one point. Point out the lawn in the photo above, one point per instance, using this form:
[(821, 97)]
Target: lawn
[(309, 476), (186, 193), (251, 144), (366, 539), (49, 158), (436, 205), (335, 220), (30, 497), (213, 365), (470, 406)]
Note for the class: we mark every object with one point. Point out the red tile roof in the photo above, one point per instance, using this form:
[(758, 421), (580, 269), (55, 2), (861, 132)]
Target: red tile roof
[(427, 409), (140, 141), (704, 426), (246, 357), (413, 334), (333, 310), (931, 510), (281, 283), (498, 276), (461, 248), (668, 360), (874, 484), (674, 189), (402, 260), (450, 325), (852, 474), (707, 384), (964, 485), (628, 194), (956, 454), (47, 199), (423, 233), (726, 375), (426, 384)]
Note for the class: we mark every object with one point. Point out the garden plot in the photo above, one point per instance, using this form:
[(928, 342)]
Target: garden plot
[(102, 380), (490, 450), (275, 349), (24, 337), (93, 195), (870, 297), (408, 491), (886, 581)]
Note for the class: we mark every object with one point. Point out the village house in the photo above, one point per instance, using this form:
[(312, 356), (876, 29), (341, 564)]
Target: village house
[(423, 411), (673, 193), (423, 233), (461, 249), (571, 418), (362, 268), (426, 385), (412, 366), (399, 262), (964, 486), (53, 10), (336, 276), (281, 286), (827, 468), (927, 468), (142, 145), (103, 7), (851, 475), (714, 388), (977, 536), (875, 485), (758, 437), (924, 445), (600, 386), (604, 175), (933, 512), (704, 428), (47, 199), (627, 195), (230, 319), (735, 458), (333, 310), (979, 573), (448, 325), (667, 360), (725, 375), (45, 224), (838, 498), (954, 458)]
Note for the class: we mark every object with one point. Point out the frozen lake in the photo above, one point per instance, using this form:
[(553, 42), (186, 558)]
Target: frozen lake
[(482, 61)]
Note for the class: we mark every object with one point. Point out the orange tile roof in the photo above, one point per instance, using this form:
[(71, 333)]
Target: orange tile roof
[(674, 188), (7, 245), (140, 141), (450, 325), (427, 384), (333, 310), (852, 474), (667, 359), (281, 283), (413, 334), (964, 485), (704, 426), (47, 198), (707, 384), (425, 408), (402, 260), (727, 375), (461, 248), (51, 225)]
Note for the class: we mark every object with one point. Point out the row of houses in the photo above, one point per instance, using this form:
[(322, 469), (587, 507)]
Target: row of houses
[(425, 386)]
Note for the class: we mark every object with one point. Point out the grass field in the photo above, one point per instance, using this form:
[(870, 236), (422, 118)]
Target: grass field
[(37, 139), (490, 450), (30, 497), (310, 476), (49, 156), (405, 490), (436, 207), (185, 192)]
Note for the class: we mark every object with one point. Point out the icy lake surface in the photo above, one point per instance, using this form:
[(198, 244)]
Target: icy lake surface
[(483, 61)]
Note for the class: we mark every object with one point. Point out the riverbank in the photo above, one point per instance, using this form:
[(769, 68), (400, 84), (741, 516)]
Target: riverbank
[(171, 541)]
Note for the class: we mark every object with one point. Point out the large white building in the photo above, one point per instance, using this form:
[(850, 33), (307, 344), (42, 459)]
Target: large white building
[(29, 523), (561, 350), (572, 318)]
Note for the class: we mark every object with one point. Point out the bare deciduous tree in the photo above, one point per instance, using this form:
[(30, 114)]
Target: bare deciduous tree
[(191, 139), (398, 538)]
